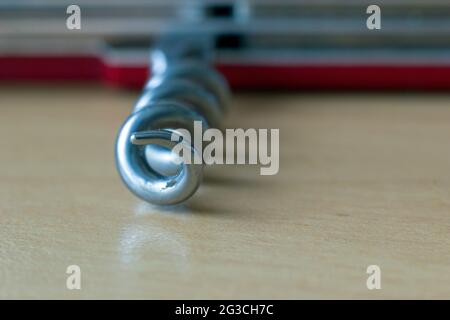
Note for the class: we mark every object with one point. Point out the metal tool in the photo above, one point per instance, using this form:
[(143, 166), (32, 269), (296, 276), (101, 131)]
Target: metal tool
[(183, 89)]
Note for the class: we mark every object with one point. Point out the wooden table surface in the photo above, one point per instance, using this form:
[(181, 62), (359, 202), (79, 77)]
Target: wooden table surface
[(364, 179)]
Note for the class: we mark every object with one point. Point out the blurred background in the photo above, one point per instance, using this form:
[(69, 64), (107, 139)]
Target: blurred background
[(293, 44)]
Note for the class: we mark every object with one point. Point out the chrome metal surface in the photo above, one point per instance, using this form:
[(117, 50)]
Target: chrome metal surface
[(183, 89)]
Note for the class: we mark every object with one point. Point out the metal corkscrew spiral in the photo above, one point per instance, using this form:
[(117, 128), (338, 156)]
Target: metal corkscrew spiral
[(183, 89)]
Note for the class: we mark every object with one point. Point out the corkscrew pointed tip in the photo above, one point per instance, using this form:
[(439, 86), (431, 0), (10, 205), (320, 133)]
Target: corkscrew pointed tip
[(149, 137)]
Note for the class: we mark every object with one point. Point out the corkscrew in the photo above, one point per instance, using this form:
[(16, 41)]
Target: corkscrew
[(183, 88)]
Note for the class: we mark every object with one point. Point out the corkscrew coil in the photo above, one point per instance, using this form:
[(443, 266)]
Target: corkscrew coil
[(181, 92)]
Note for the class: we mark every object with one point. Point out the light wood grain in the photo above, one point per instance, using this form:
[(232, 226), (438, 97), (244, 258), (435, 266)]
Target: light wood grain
[(364, 179)]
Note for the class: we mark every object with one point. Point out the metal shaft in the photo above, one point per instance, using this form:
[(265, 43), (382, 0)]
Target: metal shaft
[(183, 89)]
